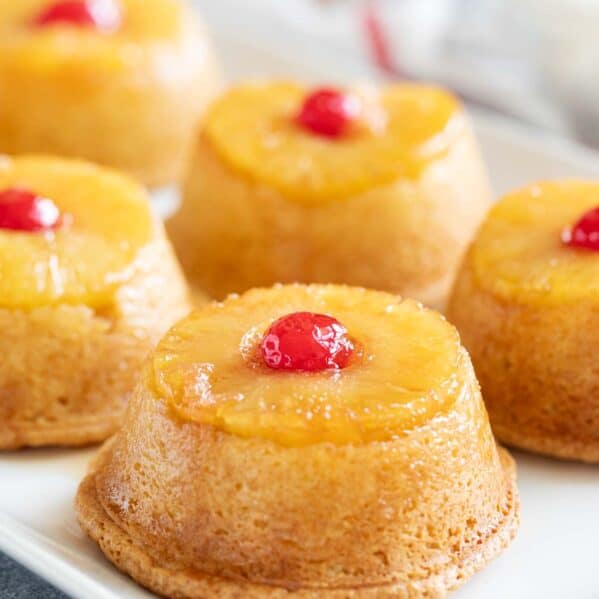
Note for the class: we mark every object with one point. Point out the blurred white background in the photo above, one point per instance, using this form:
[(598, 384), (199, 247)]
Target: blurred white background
[(535, 60)]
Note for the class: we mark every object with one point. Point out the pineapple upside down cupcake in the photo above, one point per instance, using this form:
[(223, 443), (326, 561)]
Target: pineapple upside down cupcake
[(305, 441), (118, 82), (379, 189), (527, 305), (88, 283)]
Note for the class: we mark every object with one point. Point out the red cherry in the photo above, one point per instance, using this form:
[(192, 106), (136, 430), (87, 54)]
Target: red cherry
[(306, 341), (585, 233), (100, 14), (328, 112), (24, 210)]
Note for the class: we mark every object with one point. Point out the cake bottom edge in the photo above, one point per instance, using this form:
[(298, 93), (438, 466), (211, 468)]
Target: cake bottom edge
[(563, 448), (130, 557), (71, 432)]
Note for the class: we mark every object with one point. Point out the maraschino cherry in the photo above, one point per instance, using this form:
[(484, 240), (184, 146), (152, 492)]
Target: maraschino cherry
[(585, 233), (305, 341), (328, 112), (24, 210), (99, 14)]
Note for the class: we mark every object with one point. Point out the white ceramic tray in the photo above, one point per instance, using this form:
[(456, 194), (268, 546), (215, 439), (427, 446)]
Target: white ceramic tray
[(556, 553)]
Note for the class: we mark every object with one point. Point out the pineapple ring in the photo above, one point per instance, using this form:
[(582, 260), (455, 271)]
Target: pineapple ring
[(142, 21), (409, 368), (519, 253), (86, 260), (253, 129)]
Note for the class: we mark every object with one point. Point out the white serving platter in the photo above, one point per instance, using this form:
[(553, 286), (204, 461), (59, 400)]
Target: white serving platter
[(556, 554)]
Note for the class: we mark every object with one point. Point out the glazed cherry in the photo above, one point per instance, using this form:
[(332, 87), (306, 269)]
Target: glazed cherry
[(328, 112), (99, 14), (585, 233), (306, 341), (24, 210)]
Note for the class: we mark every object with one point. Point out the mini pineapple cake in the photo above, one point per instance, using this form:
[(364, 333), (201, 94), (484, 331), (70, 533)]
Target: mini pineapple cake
[(527, 305), (118, 82), (307, 441), (381, 189), (88, 283)]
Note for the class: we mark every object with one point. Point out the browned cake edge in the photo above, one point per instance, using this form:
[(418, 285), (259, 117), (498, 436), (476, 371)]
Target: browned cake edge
[(539, 442), (130, 557), (74, 432)]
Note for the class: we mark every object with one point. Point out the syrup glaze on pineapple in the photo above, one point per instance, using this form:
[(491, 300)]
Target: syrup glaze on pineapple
[(409, 368), (519, 253), (264, 142), (86, 261)]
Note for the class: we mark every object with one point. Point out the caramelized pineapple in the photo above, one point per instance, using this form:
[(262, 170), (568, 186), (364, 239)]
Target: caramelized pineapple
[(253, 129), (403, 370), (106, 220), (140, 20), (520, 253), (526, 302), (379, 189), (105, 94)]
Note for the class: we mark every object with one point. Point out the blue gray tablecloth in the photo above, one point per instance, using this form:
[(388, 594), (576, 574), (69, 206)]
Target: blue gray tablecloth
[(18, 583)]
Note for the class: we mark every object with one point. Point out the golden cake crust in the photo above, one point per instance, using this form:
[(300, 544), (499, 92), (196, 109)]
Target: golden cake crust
[(131, 557), (68, 370), (537, 368), (406, 236)]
